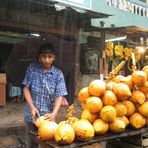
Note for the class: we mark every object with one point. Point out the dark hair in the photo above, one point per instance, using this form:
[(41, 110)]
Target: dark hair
[(46, 48)]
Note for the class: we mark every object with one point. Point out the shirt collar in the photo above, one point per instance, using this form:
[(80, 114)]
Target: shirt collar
[(50, 71)]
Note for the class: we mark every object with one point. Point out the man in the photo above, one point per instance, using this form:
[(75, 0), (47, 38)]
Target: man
[(44, 86)]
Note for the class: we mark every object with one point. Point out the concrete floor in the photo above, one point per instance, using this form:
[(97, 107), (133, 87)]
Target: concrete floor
[(12, 115), (12, 125)]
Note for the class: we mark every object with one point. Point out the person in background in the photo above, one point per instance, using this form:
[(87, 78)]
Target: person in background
[(44, 88)]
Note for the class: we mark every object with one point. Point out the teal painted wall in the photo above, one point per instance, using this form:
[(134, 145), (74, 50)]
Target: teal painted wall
[(120, 17)]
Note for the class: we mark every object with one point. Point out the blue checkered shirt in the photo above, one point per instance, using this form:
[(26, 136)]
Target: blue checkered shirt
[(44, 87)]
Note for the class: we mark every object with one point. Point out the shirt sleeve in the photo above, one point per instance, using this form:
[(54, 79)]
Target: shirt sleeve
[(61, 86), (27, 79)]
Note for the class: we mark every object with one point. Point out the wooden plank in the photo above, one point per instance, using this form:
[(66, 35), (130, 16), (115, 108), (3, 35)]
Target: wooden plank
[(121, 144), (35, 28), (145, 142), (136, 140), (145, 134)]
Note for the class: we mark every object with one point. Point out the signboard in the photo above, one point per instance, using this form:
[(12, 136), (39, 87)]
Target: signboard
[(129, 6), (85, 4)]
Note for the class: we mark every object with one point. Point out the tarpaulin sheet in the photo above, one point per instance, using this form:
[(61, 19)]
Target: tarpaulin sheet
[(25, 52)]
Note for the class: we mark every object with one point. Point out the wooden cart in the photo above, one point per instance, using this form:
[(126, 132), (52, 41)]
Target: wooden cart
[(129, 132)]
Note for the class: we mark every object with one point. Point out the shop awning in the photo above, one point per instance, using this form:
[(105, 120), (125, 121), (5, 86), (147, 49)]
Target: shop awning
[(133, 33)]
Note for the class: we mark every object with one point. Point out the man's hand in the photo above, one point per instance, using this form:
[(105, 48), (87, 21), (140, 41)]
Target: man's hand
[(35, 114), (50, 116)]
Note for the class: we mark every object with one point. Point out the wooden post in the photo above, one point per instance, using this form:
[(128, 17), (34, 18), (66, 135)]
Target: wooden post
[(101, 58)]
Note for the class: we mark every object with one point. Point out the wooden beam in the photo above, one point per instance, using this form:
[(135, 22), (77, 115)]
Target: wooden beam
[(35, 28)]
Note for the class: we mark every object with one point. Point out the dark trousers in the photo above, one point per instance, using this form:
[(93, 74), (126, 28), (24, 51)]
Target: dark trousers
[(30, 142)]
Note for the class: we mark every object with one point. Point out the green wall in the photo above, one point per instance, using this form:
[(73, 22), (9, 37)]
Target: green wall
[(119, 17)]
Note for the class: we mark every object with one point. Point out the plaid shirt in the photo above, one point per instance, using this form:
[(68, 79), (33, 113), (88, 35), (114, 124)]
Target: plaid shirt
[(44, 87)]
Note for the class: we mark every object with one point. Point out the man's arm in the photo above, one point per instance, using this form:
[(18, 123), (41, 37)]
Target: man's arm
[(59, 93), (28, 98), (57, 105)]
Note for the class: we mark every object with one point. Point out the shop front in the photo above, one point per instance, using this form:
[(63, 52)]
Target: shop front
[(28, 24), (126, 27)]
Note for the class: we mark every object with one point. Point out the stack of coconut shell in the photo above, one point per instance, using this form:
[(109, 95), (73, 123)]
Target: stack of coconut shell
[(116, 104)]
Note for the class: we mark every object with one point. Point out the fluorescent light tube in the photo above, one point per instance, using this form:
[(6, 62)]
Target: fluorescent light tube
[(116, 39)]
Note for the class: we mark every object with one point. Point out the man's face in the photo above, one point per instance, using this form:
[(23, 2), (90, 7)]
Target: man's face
[(47, 60)]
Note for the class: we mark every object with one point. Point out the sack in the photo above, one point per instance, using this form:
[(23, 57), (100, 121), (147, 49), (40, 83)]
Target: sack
[(64, 102)]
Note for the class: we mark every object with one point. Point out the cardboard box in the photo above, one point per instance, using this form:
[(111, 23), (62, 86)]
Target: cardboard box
[(3, 78), (3, 82)]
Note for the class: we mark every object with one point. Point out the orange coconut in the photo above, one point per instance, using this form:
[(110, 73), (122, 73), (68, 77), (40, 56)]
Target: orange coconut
[(100, 126), (47, 130), (97, 87), (137, 97), (83, 129), (117, 78), (117, 126), (128, 81), (64, 134), (110, 85), (144, 87), (139, 77), (121, 109), (125, 119), (83, 94), (86, 114), (130, 107), (93, 104), (108, 113), (40, 121), (143, 109), (122, 91), (137, 120), (109, 98)]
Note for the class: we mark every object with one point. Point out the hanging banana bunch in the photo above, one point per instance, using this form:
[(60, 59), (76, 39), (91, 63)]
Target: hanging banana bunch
[(70, 111), (127, 53), (119, 51), (109, 49), (137, 55)]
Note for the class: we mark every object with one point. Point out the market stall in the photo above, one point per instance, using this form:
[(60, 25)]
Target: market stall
[(111, 109)]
